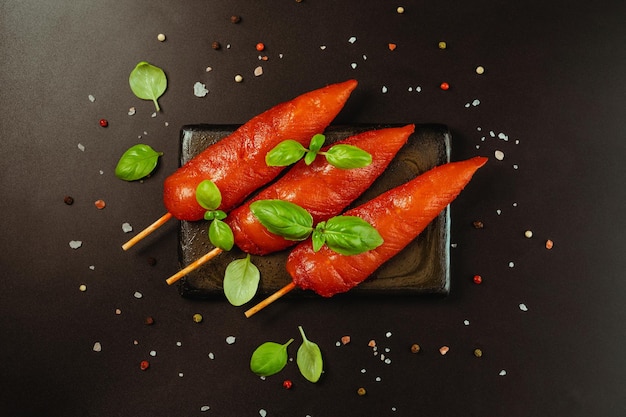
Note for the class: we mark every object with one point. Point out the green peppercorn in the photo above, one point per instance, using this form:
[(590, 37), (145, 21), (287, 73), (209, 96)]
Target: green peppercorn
[(197, 318)]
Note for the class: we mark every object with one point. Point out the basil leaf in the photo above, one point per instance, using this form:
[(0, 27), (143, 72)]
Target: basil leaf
[(348, 157), (285, 153), (350, 235), (317, 238), (208, 195), (211, 215), (137, 162), (314, 147), (148, 82), (283, 218), (221, 235), (309, 359), (269, 358), (241, 281)]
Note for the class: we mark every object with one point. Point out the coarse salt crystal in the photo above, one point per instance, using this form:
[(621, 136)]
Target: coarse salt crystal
[(97, 347), (81, 147), (83, 288), (384, 89), (322, 47), (511, 264), (132, 111), (179, 343), (503, 136), (262, 412), (230, 340), (444, 349), (75, 244), (205, 408), (208, 69), (153, 115), (127, 228), (91, 98), (476, 102), (199, 89), (92, 267), (180, 374), (353, 65), (499, 155), (466, 322), (502, 373), (138, 295), (352, 39), (211, 355), (388, 334), (153, 353), (523, 307), (258, 71)]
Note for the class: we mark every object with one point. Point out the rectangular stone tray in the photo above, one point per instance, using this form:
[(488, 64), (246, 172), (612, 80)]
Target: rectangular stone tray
[(422, 267)]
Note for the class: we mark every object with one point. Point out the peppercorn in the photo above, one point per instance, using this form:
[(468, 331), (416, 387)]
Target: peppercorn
[(100, 204), (149, 321), (144, 365), (478, 352), (68, 200), (477, 279), (361, 391), (478, 224), (260, 46), (442, 45), (415, 348), (287, 384), (549, 244), (235, 19), (104, 122), (197, 318), (444, 86), (216, 45)]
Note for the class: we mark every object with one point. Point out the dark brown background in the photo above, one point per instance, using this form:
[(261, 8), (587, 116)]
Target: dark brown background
[(554, 80)]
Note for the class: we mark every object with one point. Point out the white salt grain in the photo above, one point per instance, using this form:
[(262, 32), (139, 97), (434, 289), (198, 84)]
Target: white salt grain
[(352, 39), (153, 353), (132, 111), (205, 408), (262, 412), (511, 264), (75, 244), (97, 347), (499, 155), (230, 340), (353, 65), (127, 228), (502, 372), (211, 355), (466, 322), (258, 71), (153, 115), (179, 344), (208, 69), (388, 334), (81, 147), (92, 267), (83, 288), (523, 307), (91, 98), (476, 102), (322, 47), (384, 89), (138, 295), (199, 89)]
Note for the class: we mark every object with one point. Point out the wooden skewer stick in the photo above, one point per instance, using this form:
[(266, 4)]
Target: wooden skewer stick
[(194, 265), (269, 300), (145, 232)]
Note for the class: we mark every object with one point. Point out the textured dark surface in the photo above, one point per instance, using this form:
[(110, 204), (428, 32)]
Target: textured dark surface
[(552, 99), (421, 268)]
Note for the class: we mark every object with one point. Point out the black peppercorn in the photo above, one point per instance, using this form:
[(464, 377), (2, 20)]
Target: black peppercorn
[(216, 45), (68, 200)]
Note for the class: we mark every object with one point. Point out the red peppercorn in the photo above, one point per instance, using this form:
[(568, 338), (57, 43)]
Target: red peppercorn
[(144, 365), (104, 122), (478, 279), (444, 86), (260, 46), (287, 384)]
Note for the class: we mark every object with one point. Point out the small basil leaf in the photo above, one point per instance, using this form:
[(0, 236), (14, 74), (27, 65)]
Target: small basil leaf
[(309, 359), (348, 157), (351, 235), (211, 215), (219, 214), (241, 281), (285, 153), (310, 157), (208, 195), (148, 82), (314, 147), (317, 238), (137, 162), (283, 218), (221, 235), (269, 358)]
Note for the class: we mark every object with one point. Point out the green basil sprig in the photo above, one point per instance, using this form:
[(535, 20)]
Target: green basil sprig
[(209, 198), (309, 359), (348, 235), (241, 281), (269, 358), (341, 156), (137, 162), (148, 82)]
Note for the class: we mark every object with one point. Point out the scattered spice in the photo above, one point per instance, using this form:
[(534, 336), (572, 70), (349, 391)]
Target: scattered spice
[(478, 224), (400, 10), (480, 70), (68, 200), (235, 19), (149, 321), (444, 86), (104, 122), (144, 365), (83, 288), (415, 348), (260, 46), (97, 347), (392, 46), (345, 340), (477, 279), (100, 204), (197, 318), (238, 78), (287, 384), (216, 45), (478, 353), (443, 350), (361, 391), (371, 343), (528, 234), (549, 244), (442, 45), (161, 37)]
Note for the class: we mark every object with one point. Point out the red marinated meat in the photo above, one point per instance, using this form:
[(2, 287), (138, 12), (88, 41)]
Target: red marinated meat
[(320, 188), (399, 215), (236, 164)]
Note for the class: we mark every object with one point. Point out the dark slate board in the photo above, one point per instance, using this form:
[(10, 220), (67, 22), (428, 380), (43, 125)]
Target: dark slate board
[(421, 268)]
